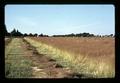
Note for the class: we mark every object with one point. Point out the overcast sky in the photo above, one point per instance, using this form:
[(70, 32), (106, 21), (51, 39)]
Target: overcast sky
[(61, 19)]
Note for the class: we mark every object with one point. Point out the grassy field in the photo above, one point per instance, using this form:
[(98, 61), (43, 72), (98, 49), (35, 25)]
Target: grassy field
[(93, 57), (23, 61), (7, 40), (16, 65)]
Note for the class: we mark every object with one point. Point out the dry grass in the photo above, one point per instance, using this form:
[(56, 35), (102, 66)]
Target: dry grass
[(16, 64), (90, 56), (87, 46), (7, 40)]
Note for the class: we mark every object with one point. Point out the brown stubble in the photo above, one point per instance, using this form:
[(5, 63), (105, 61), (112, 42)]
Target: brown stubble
[(87, 46), (88, 55), (101, 49)]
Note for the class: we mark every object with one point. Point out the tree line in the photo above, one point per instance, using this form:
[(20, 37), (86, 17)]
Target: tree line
[(83, 35), (15, 32)]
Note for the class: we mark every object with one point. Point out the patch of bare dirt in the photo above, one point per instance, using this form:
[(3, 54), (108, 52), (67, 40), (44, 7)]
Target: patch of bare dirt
[(45, 67)]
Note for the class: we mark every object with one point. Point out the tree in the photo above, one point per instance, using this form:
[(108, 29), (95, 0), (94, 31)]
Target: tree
[(6, 32), (13, 33), (111, 35), (31, 34), (16, 33), (19, 33), (41, 35), (85, 34), (71, 35), (25, 34), (35, 35)]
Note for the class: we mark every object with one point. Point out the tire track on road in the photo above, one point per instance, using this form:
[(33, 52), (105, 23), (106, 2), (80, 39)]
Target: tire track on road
[(40, 66)]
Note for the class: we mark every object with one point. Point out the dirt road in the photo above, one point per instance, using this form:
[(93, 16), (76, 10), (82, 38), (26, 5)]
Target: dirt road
[(42, 65)]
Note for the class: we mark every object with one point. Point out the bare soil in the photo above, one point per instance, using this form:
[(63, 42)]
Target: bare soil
[(44, 66)]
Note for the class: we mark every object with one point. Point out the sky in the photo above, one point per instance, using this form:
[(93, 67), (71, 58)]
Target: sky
[(61, 19)]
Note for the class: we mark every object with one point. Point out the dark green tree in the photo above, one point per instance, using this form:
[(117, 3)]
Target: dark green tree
[(30, 35), (35, 35), (25, 34), (16, 33), (41, 35), (6, 32), (13, 33)]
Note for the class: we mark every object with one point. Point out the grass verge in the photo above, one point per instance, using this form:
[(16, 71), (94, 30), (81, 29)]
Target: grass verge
[(16, 64)]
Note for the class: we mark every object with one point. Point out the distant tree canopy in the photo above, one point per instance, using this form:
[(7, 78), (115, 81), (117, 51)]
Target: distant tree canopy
[(42, 35), (76, 35), (35, 34), (15, 32), (25, 34), (30, 34), (82, 35), (6, 32)]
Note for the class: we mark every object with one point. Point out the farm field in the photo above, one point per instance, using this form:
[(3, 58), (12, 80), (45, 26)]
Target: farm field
[(60, 41), (92, 57), (7, 40), (23, 61), (59, 57)]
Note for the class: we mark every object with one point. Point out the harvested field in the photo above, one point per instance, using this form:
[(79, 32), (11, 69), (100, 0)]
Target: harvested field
[(91, 56)]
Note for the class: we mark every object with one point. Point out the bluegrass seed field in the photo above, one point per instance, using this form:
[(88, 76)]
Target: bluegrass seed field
[(88, 56)]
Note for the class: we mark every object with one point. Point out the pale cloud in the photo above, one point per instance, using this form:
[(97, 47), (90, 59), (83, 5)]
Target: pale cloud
[(78, 28), (89, 25), (27, 21), (25, 24)]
